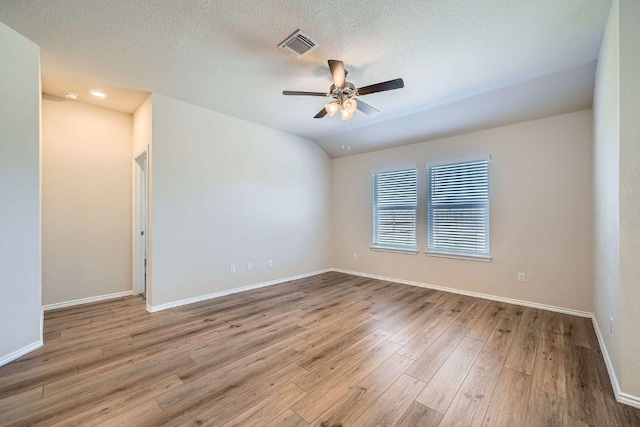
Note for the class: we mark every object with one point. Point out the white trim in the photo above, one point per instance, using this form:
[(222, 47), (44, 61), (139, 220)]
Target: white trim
[(143, 151), (620, 396), (471, 293), (481, 258), (20, 352), (627, 399), (136, 261), (88, 300), (397, 250), (173, 304)]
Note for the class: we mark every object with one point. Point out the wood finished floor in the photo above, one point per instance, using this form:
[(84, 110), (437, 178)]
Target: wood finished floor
[(330, 350)]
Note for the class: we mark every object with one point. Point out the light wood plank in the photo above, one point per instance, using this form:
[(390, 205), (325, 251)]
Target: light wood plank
[(425, 367), (125, 403), (585, 401), (452, 305), (508, 405), (419, 415), (545, 409), (217, 407), (322, 372), (473, 397), (522, 354), (549, 371), (390, 407), (231, 377), (288, 419), (133, 415), (14, 401), (471, 315), (319, 400), (269, 408), (553, 322), (483, 328), (440, 391), (500, 340), (575, 331), (421, 342), (572, 422), (353, 404)]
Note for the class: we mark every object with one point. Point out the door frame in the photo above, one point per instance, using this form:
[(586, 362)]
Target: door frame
[(138, 270)]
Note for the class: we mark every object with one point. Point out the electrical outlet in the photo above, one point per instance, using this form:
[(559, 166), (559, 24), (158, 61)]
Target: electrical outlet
[(249, 266), (611, 325), (522, 277), (355, 256), (270, 263), (232, 269)]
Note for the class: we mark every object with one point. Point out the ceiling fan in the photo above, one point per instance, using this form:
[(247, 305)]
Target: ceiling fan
[(344, 93)]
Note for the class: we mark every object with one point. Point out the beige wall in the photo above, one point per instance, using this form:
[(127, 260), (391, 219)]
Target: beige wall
[(226, 191), (617, 194), (142, 127), (540, 212), (20, 265), (630, 195), (606, 189), (86, 222)]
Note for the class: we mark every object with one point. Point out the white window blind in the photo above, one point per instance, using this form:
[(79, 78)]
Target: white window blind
[(395, 202), (458, 209)]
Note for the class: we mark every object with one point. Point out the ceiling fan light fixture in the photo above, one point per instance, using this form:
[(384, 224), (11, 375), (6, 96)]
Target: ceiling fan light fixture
[(332, 108), (345, 114), (351, 105)]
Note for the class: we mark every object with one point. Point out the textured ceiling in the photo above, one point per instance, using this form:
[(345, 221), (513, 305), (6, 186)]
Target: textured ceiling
[(223, 55)]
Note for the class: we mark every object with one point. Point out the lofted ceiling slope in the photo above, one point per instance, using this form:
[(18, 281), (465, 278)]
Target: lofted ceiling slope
[(223, 55)]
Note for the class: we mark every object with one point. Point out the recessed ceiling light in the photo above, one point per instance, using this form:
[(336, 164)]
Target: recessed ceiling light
[(71, 95), (98, 93)]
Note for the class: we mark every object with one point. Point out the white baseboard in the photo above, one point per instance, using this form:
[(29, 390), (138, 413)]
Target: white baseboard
[(471, 293), (621, 396), (89, 300), (156, 308), (20, 352), (628, 399)]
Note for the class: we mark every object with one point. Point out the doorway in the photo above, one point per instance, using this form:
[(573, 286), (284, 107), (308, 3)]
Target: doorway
[(140, 236)]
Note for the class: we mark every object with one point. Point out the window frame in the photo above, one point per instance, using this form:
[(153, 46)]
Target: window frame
[(465, 255), (374, 237)]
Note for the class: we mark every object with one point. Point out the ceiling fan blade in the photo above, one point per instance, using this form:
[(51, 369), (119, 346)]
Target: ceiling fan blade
[(381, 87), (320, 114), (337, 72), (367, 109), (296, 92)]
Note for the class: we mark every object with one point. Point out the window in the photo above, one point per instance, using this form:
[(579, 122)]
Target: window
[(458, 209), (395, 201)]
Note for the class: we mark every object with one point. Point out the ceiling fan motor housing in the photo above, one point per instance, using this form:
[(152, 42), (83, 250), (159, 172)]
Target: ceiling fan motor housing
[(347, 92)]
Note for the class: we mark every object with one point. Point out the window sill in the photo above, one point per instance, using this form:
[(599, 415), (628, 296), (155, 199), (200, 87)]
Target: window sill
[(480, 258), (398, 250)]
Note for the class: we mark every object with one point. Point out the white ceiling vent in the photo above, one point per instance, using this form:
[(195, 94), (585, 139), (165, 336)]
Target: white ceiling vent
[(299, 44)]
